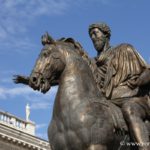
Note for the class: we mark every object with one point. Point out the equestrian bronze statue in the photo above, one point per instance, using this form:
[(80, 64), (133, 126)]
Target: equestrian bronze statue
[(83, 118)]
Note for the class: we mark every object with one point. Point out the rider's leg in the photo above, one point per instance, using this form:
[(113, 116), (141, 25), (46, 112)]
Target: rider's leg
[(134, 114)]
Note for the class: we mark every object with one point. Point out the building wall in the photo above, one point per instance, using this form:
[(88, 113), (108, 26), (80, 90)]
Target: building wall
[(4, 145), (17, 134)]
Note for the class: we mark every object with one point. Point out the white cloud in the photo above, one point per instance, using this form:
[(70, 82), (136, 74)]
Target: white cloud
[(40, 105), (39, 126), (11, 92), (17, 15), (6, 80), (2, 93), (26, 92)]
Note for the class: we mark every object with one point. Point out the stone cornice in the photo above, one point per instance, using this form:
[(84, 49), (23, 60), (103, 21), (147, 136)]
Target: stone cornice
[(11, 135)]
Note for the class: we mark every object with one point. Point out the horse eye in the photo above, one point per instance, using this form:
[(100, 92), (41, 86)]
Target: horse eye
[(45, 54)]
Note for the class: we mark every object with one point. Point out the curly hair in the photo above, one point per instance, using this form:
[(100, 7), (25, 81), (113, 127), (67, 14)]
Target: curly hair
[(102, 27)]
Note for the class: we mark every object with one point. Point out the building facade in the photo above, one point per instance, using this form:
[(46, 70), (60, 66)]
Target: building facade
[(18, 134)]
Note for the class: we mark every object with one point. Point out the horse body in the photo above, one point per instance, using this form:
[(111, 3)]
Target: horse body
[(78, 122), (81, 117)]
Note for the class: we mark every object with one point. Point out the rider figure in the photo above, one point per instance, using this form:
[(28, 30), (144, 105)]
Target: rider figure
[(122, 71)]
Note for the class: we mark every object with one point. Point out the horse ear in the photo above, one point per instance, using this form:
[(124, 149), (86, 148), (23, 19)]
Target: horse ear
[(70, 40), (47, 39)]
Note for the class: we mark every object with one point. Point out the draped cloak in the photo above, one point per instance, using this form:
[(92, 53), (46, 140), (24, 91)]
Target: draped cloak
[(119, 68)]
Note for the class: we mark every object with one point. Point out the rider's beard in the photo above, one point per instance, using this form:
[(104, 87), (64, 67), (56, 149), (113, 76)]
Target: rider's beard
[(99, 44)]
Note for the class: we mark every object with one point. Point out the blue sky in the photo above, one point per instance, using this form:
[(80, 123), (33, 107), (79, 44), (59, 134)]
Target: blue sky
[(23, 22)]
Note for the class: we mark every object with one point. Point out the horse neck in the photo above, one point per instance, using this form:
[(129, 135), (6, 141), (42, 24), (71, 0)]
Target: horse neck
[(77, 80)]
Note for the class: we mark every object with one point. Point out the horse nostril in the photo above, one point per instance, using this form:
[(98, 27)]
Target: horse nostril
[(34, 79)]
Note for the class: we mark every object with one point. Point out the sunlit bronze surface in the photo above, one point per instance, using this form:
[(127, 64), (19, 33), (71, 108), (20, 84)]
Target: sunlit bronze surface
[(122, 73), (82, 117)]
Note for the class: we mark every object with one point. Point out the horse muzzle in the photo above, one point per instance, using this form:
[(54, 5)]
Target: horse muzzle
[(38, 82)]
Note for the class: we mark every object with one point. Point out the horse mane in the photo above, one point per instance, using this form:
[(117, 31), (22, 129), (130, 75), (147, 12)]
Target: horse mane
[(91, 63), (77, 46)]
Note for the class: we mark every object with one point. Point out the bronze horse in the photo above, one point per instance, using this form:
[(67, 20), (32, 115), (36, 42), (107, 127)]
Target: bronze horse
[(81, 117)]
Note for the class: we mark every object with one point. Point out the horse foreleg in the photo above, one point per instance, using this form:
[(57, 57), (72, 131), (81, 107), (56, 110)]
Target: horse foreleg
[(97, 147)]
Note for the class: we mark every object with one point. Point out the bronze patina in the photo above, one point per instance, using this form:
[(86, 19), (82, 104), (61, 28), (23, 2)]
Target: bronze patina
[(81, 117), (86, 115), (123, 72)]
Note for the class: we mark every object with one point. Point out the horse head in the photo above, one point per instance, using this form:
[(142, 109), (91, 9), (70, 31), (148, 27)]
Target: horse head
[(48, 67)]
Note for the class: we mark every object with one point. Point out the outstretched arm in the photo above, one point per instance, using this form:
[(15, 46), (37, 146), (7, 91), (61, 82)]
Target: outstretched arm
[(21, 79), (25, 80)]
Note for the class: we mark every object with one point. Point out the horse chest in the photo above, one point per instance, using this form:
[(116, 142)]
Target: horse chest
[(76, 126), (74, 114)]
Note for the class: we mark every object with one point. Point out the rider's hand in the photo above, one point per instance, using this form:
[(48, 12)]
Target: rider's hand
[(21, 79)]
